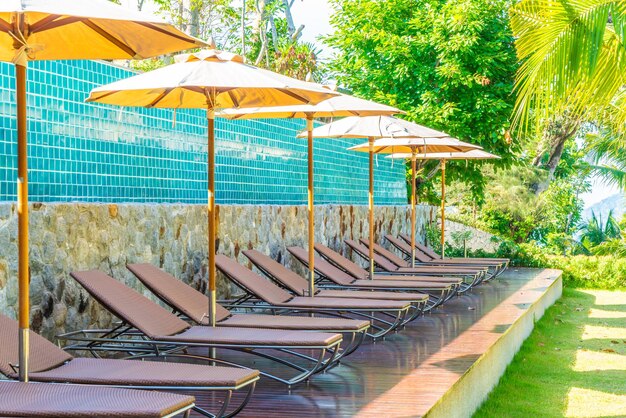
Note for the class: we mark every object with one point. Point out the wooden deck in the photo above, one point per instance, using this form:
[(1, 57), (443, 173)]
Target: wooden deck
[(411, 371)]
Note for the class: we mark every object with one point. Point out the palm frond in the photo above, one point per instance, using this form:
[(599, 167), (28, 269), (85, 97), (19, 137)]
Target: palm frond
[(573, 56)]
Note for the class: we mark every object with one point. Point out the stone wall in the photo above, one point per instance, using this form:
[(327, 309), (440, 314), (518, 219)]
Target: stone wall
[(77, 236)]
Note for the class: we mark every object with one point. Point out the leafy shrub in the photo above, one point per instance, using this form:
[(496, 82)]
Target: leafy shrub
[(600, 272)]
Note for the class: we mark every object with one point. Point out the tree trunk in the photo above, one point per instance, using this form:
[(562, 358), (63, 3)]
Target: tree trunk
[(274, 33), (291, 27), (556, 135), (261, 30)]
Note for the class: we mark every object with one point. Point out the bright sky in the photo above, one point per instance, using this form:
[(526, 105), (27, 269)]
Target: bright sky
[(599, 191), (315, 16)]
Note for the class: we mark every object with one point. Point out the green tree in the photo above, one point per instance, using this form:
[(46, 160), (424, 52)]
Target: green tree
[(449, 64), (572, 73)]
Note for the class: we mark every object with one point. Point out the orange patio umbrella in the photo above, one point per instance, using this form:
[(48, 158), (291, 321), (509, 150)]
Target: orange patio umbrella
[(32, 30), (338, 106), (212, 80), (443, 157)]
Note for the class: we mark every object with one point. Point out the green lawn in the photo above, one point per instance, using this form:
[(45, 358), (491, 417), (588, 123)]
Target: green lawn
[(573, 364)]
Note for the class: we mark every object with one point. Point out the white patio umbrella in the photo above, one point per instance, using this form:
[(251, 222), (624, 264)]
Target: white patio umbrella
[(33, 30), (372, 127), (211, 80), (414, 145), (338, 106), (443, 157), (376, 127)]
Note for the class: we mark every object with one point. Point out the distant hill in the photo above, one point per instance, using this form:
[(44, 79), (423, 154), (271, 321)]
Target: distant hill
[(617, 202)]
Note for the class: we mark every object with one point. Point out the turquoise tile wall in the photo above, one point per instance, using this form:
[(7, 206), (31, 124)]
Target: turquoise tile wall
[(88, 152)]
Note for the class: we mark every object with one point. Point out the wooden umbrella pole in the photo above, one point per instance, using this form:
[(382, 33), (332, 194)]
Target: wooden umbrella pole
[(371, 205), (211, 214), (23, 270), (310, 203), (443, 208), (413, 167)]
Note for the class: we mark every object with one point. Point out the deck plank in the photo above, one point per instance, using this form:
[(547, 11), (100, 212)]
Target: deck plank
[(408, 372)]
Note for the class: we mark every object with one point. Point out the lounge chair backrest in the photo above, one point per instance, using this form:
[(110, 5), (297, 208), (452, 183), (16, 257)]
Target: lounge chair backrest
[(342, 262), (130, 305), (251, 282), (322, 267), (44, 355), (379, 249), (277, 272), (379, 260), (406, 249), (428, 251), (424, 248), (180, 296), (399, 244)]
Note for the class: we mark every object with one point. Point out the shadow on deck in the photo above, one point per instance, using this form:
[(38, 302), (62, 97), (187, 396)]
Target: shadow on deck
[(424, 368)]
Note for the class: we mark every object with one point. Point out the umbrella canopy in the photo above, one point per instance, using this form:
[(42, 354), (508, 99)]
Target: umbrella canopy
[(212, 80), (416, 145), (94, 29), (375, 127), (67, 29), (443, 157), (469, 155), (209, 79), (342, 105)]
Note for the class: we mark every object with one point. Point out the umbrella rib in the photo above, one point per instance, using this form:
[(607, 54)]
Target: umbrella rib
[(110, 38), (294, 95), (51, 22), (233, 98), (5, 25), (159, 97), (95, 99), (161, 30)]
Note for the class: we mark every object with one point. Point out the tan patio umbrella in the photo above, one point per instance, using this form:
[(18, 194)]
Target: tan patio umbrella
[(373, 127), (443, 157), (67, 29), (211, 80), (338, 106), (414, 145)]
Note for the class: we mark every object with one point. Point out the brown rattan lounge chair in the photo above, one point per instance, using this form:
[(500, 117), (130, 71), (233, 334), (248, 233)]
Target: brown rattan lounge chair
[(390, 268), (47, 400), (149, 330), (48, 363), (359, 273), (290, 280), (193, 304), (502, 263), (334, 278), (494, 268), (261, 292), (475, 274)]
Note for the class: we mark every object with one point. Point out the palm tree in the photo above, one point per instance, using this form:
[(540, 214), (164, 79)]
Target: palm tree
[(572, 74), (595, 232), (573, 55)]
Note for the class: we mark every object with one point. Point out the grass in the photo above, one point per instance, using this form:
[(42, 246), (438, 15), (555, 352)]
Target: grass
[(572, 365)]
